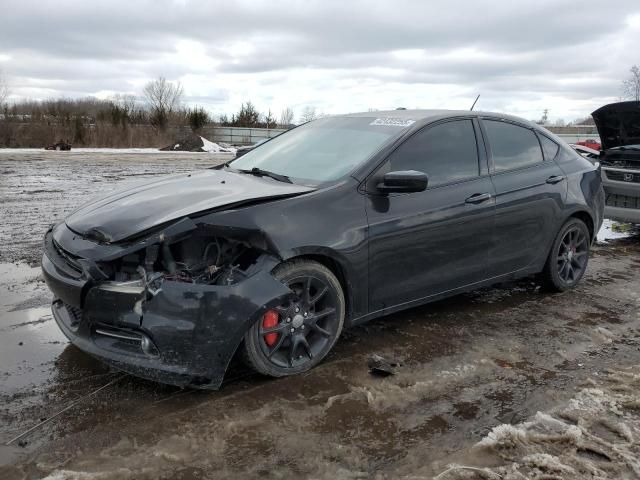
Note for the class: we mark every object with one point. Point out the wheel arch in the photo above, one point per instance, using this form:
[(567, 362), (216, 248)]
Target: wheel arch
[(587, 219), (338, 269)]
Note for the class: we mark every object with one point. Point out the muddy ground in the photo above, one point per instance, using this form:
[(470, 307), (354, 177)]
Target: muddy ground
[(475, 370)]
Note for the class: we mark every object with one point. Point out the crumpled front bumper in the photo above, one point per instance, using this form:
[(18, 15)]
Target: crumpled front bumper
[(185, 334)]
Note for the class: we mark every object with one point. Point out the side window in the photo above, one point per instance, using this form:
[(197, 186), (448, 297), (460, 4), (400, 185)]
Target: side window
[(512, 146), (549, 147), (446, 153)]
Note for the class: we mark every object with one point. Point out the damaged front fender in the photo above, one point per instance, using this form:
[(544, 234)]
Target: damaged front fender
[(172, 305)]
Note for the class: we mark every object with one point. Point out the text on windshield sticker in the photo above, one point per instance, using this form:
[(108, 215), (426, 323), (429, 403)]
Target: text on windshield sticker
[(393, 122)]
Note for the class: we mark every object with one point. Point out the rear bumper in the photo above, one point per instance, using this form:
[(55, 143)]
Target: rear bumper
[(185, 334)]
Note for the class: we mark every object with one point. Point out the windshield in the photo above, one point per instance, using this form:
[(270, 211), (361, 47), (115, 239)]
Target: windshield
[(323, 150)]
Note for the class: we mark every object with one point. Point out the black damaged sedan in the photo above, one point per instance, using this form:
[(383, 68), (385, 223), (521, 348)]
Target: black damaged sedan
[(331, 224)]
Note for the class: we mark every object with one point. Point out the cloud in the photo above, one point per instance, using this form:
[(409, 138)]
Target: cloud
[(339, 56)]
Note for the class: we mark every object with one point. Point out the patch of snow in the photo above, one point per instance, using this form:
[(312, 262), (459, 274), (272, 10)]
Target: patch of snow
[(547, 463), (592, 435), (610, 230), (176, 146), (212, 147)]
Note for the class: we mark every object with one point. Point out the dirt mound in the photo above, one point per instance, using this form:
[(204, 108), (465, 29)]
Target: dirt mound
[(196, 143)]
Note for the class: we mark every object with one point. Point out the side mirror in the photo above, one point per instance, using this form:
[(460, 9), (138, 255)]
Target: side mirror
[(406, 181)]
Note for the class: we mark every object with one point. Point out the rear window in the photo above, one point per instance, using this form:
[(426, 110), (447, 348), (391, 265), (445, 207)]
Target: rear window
[(549, 147), (512, 147)]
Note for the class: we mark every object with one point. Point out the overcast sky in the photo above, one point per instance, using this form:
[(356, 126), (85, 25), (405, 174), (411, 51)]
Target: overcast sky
[(339, 56)]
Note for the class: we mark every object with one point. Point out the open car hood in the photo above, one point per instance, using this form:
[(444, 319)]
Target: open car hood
[(618, 124), (129, 212)]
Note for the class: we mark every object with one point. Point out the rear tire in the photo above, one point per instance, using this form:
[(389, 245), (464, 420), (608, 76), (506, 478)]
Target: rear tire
[(568, 258), (306, 328)]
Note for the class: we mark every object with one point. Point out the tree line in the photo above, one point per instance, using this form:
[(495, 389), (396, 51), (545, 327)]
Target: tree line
[(127, 119), (152, 118), (160, 106)]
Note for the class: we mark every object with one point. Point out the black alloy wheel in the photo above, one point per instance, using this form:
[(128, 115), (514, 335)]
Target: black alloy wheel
[(572, 255), (569, 256), (295, 336)]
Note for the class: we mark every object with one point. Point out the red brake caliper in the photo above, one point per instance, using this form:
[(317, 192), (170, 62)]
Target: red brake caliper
[(269, 320)]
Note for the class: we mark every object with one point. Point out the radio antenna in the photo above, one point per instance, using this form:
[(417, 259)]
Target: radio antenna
[(474, 103)]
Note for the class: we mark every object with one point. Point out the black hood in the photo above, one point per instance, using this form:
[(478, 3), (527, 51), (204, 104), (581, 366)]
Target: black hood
[(128, 212), (618, 124)]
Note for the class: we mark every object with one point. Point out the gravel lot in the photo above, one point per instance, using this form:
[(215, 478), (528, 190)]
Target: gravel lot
[(475, 370)]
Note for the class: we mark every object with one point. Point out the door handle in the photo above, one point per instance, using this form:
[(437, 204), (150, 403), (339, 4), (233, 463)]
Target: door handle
[(553, 179), (478, 198)]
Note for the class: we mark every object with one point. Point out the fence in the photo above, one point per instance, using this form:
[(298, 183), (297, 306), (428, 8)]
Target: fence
[(38, 135), (25, 134), (240, 136), (246, 136), (573, 138)]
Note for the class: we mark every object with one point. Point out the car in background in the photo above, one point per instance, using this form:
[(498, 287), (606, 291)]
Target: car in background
[(590, 143), (586, 152), (619, 128)]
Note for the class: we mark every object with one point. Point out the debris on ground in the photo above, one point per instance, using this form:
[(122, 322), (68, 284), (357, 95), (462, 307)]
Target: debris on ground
[(196, 143), (60, 145), (380, 366)]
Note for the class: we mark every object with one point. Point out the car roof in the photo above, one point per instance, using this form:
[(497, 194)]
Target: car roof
[(434, 114)]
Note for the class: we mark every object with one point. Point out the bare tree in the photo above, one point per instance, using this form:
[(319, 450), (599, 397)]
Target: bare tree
[(308, 114), (125, 101), (286, 117), (4, 89), (122, 109), (270, 120), (583, 121), (631, 86), (163, 98)]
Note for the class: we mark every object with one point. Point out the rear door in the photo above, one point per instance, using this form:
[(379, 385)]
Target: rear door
[(425, 243), (530, 192)]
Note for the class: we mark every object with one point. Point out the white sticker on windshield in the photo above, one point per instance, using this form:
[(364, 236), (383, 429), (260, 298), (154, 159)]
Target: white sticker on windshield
[(393, 122)]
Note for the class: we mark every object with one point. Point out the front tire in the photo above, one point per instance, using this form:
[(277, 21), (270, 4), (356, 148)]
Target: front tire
[(568, 258), (296, 336)]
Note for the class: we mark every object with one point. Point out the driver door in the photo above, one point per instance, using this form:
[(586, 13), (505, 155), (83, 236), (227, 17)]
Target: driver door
[(427, 243)]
